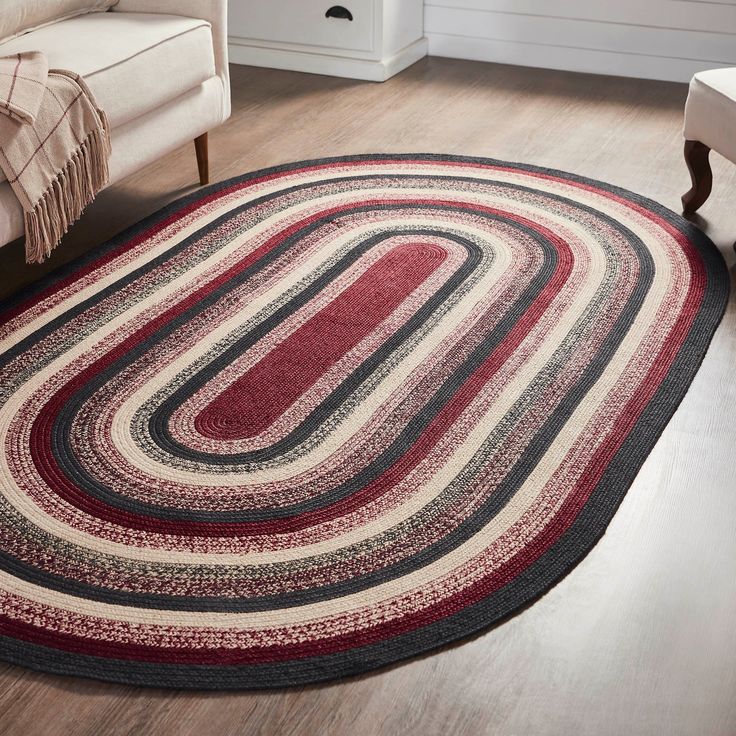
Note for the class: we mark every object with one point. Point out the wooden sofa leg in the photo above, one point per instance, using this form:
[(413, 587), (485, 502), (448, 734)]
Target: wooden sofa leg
[(696, 157), (203, 159)]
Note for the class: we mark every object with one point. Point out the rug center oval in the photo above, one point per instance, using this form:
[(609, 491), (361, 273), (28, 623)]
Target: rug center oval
[(258, 398)]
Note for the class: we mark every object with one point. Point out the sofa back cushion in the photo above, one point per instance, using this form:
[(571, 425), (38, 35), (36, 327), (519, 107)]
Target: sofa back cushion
[(21, 16)]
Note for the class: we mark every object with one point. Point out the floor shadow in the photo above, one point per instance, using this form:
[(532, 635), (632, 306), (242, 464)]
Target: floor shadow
[(112, 212)]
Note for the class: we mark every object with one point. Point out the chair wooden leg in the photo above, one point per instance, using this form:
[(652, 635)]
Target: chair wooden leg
[(203, 160), (696, 157)]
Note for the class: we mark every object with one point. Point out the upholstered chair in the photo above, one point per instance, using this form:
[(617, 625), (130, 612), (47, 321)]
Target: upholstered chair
[(710, 124)]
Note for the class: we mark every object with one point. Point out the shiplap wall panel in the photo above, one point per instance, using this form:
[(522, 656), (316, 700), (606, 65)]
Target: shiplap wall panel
[(658, 39), (695, 15)]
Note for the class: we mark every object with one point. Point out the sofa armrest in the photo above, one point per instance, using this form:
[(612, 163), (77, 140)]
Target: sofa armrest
[(213, 11)]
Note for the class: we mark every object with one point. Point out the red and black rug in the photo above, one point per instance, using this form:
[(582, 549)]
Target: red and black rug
[(330, 415)]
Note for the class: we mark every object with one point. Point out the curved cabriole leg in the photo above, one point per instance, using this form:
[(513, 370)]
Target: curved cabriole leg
[(203, 161), (696, 157)]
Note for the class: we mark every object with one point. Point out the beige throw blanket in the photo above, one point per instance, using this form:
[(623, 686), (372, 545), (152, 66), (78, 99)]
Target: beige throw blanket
[(54, 146)]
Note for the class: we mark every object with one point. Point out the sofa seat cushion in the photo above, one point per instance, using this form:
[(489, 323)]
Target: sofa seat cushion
[(710, 113), (22, 16), (132, 62)]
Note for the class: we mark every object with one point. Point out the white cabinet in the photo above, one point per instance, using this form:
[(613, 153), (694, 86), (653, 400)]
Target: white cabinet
[(362, 39)]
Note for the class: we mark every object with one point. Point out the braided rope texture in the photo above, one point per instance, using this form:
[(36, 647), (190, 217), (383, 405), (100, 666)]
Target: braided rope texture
[(330, 415)]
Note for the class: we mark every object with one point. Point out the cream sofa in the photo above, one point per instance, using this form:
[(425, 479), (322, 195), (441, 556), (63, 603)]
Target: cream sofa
[(157, 67)]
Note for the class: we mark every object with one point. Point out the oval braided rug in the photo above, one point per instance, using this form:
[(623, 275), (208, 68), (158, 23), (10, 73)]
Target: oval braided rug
[(330, 415)]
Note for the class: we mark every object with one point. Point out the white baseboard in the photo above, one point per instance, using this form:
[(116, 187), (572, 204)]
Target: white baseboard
[(242, 52), (568, 59)]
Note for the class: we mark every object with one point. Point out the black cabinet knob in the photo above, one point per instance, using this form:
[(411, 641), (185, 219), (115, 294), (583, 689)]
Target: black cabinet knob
[(338, 11)]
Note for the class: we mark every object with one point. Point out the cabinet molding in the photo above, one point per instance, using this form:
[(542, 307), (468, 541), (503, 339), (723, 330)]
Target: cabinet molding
[(383, 37)]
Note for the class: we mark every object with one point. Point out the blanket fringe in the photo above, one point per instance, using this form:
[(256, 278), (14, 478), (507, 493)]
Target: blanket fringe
[(69, 193)]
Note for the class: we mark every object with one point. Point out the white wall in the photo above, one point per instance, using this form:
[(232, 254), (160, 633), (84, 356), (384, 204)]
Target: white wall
[(656, 39)]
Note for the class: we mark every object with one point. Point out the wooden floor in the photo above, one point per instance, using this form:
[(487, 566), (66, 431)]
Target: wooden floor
[(641, 637)]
